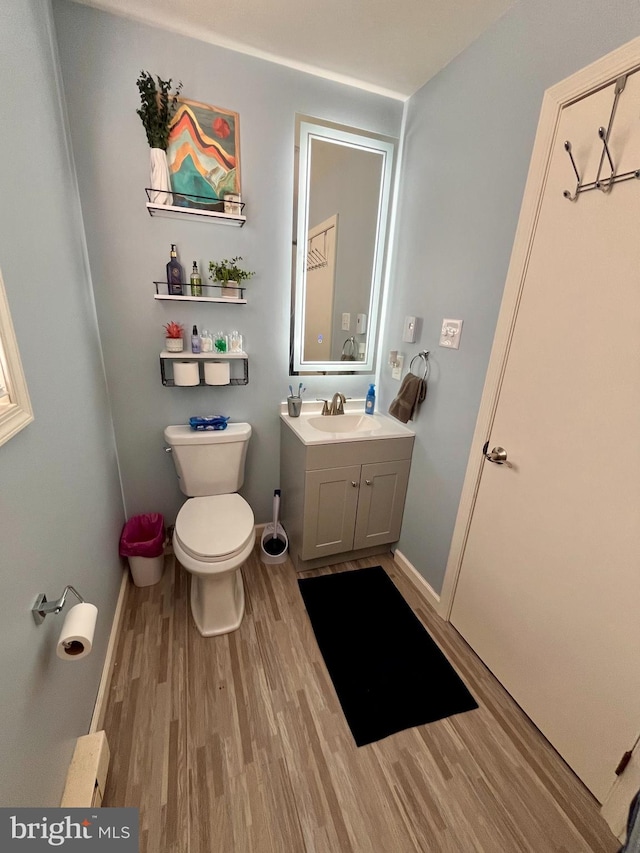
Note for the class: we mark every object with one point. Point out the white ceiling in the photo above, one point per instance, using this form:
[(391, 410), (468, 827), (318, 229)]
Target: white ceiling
[(387, 46)]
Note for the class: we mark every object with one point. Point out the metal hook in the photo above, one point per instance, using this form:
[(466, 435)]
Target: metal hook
[(566, 193), (606, 187), (605, 135)]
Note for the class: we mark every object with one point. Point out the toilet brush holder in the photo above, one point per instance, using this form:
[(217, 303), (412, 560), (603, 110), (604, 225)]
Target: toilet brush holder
[(273, 549)]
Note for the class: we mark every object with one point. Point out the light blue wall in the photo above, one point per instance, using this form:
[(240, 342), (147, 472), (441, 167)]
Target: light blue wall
[(469, 136), (60, 501), (468, 143), (101, 58)]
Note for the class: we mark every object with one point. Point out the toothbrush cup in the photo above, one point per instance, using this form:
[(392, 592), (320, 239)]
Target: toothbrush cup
[(294, 406)]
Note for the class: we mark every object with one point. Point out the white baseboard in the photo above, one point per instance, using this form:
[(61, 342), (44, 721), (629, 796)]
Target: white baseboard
[(97, 719), (419, 581)]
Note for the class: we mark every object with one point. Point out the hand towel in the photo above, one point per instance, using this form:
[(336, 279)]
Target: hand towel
[(412, 392)]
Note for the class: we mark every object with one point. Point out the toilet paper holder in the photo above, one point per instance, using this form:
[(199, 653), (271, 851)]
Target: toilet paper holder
[(42, 607)]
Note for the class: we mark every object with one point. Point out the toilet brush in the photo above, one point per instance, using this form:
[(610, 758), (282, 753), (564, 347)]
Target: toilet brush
[(274, 539)]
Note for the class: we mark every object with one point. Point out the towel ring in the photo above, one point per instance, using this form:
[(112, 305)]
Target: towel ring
[(424, 355), (349, 349)]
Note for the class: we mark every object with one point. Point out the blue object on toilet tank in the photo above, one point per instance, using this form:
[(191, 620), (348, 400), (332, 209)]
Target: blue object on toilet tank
[(370, 403), (210, 422)]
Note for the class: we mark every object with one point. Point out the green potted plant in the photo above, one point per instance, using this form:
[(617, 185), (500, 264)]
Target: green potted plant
[(228, 274), (158, 105), (174, 338)]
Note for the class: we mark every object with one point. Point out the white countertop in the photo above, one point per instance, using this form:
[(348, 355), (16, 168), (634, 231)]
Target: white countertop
[(377, 425)]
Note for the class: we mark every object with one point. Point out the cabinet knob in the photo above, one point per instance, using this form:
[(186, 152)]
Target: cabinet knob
[(368, 482), (354, 484)]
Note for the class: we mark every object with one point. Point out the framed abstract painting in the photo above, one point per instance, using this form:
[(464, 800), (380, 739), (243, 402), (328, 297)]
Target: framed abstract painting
[(203, 155)]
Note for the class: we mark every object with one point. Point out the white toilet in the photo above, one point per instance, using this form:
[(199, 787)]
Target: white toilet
[(214, 532)]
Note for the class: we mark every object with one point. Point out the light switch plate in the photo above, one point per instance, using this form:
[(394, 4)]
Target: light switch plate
[(450, 334), (409, 330), (361, 323), (346, 322)]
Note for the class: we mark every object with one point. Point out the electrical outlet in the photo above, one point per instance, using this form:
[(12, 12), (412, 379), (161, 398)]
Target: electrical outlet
[(346, 322), (450, 334), (396, 373)]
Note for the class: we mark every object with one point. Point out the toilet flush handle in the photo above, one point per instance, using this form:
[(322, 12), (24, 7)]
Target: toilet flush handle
[(168, 450)]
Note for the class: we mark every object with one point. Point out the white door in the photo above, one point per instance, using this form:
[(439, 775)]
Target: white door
[(320, 290), (548, 593)]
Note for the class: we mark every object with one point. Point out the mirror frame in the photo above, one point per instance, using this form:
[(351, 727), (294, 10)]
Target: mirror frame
[(16, 412), (309, 129)]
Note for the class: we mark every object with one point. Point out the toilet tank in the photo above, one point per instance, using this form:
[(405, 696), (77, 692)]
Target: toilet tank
[(210, 462)]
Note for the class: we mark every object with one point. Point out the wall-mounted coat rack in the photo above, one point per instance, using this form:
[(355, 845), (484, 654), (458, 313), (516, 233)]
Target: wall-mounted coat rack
[(602, 183), (317, 259)]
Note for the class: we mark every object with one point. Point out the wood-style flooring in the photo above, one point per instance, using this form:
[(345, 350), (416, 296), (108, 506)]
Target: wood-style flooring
[(237, 744)]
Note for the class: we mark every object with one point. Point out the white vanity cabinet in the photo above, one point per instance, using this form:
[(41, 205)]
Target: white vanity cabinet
[(342, 500)]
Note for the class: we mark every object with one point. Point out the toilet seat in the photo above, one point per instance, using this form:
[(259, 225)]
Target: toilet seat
[(214, 528)]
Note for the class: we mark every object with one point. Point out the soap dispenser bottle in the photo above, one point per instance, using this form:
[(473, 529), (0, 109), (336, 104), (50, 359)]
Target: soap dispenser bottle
[(370, 403), (195, 281), (174, 273)]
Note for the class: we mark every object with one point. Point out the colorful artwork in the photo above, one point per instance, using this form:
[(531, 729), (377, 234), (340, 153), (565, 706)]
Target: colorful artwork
[(203, 155)]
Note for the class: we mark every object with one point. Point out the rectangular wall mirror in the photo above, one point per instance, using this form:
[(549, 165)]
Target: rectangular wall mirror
[(342, 194)]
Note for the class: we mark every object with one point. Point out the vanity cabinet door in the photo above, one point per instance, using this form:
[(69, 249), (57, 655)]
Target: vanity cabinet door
[(383, 488), (330, 504)]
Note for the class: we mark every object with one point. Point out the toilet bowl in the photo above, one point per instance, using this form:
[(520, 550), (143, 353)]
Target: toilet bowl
[(214, 532), (212, 538)]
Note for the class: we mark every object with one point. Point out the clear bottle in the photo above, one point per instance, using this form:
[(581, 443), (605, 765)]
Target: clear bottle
[(370, 402), (195, 340), (196, 281), (174, 273), (235, 341), (206, 341), (220, 342)]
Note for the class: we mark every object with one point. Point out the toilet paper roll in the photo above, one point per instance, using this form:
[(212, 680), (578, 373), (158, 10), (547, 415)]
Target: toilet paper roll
[(76, 637), (186, 373), (216, 372)]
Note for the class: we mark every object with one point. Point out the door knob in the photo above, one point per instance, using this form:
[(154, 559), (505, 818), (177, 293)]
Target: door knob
[(497, 455), (354, 484)]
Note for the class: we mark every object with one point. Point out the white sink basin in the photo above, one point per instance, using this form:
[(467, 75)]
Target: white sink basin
[(362, 424), (313, 428)]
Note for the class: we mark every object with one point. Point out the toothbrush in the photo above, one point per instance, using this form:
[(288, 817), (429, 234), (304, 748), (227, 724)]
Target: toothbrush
[(299, 388), (290, 391)]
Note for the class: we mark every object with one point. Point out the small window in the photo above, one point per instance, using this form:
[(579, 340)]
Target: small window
[(15, 406)]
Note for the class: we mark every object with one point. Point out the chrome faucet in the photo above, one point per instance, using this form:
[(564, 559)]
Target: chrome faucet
[(337, 404)]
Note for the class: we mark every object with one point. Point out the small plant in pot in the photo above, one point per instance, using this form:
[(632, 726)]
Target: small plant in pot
[(158, 105), (174, 340), (229, 274)]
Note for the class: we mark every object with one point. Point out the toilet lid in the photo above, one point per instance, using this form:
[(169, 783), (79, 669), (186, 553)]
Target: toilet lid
[(214, 527)]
